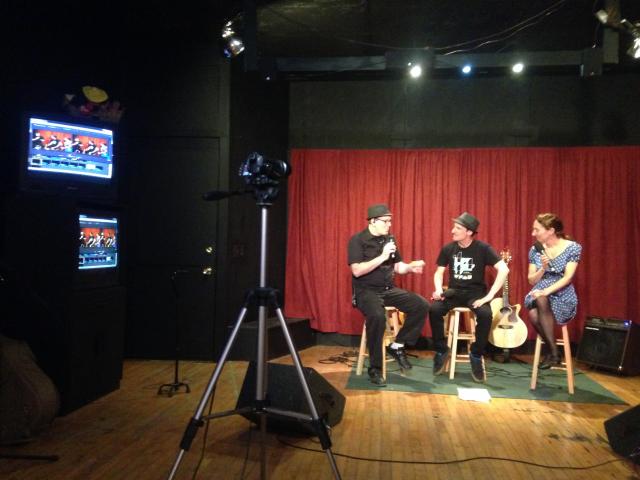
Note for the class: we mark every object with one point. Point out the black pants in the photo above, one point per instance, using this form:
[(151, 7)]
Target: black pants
[(484, 316), (372, 302)]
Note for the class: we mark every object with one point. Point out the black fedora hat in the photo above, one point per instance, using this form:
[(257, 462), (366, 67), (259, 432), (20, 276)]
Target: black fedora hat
[(468, 221), (378, 210)]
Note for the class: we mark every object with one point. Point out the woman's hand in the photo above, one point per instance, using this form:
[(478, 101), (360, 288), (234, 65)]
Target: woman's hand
[(539, 293), (545, 261)]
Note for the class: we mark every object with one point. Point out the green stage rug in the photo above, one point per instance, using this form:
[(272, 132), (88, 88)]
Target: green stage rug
[(504, 380)]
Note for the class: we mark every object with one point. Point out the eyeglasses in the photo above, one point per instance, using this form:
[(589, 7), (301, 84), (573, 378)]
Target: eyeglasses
[(385, 220)]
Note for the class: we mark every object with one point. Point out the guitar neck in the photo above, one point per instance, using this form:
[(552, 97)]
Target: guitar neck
[(505, 292)]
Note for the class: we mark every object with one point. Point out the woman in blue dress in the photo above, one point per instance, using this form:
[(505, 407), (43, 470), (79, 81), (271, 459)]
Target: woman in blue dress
[(552, 264)]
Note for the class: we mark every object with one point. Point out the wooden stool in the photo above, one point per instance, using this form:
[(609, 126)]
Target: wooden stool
[(454, 334), (395, 319), (568, 361)]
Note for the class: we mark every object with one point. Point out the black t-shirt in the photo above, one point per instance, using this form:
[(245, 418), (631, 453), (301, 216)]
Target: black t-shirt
[(363, 247), (466, 265)]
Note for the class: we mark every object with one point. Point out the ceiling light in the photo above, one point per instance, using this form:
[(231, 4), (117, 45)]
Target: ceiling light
[(415, 70), (466, 69), (625, 26), (517, 67), (602, 16), (233, 47), (634, 50), (232, 44)]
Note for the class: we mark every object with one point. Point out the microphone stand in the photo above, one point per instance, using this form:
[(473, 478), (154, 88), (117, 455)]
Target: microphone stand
[(171, 388)]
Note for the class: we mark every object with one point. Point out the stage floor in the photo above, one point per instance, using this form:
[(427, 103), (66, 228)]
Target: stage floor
[(134, 433)]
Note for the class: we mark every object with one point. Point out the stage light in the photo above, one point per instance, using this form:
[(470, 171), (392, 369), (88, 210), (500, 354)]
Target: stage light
[(232, 44), (466, 69), (415, 71), (634, 50), (623, 25), (602, 16), (517, 67)]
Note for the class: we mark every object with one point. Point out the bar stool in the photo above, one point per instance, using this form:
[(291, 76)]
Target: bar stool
[(454, 334), (395, 319), (568, 360)]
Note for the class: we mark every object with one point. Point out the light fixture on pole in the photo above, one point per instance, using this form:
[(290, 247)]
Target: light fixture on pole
[(625, 26), (232, 44)]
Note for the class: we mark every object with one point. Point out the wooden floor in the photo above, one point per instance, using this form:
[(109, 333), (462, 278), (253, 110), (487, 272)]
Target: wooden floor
[(134, 434)]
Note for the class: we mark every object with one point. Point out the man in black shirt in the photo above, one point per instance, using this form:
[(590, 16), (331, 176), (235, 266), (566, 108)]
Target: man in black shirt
[(466, 258), (374, 259)]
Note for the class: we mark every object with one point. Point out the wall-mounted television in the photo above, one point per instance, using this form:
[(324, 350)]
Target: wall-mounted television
[(98, 236), (98, 242), (68, 155)]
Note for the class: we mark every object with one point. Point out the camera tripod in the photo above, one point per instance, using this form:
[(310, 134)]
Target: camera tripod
[(263, 296)]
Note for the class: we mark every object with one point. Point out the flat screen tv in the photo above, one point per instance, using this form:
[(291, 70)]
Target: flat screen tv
[(98, 242), (72, 156)]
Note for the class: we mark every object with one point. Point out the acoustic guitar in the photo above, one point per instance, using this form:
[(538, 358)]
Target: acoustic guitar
[(507, 328)]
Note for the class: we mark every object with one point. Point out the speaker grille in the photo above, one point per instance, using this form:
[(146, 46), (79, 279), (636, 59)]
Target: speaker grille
[(611, 343)]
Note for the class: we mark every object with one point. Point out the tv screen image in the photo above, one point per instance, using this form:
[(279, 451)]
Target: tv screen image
[(98, 242), (63, 148)]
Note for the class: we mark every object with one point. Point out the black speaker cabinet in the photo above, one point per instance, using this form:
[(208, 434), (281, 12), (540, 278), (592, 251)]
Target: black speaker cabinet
[(285, 392), (623, 432), (611, 343)]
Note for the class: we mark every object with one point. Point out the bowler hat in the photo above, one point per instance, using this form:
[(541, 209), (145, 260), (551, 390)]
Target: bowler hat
[(468, 221), (377, 211)]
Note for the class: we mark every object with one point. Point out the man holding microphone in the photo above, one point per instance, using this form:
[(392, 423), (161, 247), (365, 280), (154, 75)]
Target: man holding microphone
[(374, 259)]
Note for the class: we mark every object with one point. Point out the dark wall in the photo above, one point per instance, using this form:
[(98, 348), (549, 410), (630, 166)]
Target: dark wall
[(174, 143), (469, 112), (259, 122)]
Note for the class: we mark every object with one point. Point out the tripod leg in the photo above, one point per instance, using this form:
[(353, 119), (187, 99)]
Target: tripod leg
[(196, 421), (261, 383), (318, 424)]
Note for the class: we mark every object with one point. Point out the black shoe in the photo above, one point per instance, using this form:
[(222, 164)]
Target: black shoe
[(375, 377), (550, 361), (477, 368), (439, 362), (400, 356)]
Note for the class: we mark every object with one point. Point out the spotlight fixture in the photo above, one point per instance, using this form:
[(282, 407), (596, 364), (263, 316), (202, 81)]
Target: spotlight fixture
[(517, 67), (232, 44), (634, 50), (625, 26), (415, 71), (466, 69)]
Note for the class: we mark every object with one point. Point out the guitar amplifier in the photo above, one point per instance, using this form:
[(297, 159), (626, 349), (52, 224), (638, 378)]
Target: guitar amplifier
[(611, 343)]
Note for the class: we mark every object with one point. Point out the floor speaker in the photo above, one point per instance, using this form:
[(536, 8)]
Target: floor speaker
[(285, 392), (623, 432), (611, 343)]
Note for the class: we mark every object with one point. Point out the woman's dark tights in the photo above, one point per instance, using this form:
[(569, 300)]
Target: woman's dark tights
[(542, 320)]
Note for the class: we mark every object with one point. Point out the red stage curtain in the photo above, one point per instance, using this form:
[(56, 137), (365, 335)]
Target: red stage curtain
[(593, 189)]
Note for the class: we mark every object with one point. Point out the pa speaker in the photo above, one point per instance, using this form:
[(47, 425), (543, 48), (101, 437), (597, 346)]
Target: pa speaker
[(623, 432), (611, 343), (284, 391)]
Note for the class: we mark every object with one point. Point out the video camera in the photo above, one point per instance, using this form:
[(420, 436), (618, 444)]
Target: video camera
[(264, 175)]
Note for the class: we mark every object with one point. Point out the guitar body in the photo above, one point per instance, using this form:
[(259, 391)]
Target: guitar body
[(507, 328)]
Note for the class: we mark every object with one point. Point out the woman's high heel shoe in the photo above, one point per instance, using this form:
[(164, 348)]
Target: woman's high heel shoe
[(550, 361)]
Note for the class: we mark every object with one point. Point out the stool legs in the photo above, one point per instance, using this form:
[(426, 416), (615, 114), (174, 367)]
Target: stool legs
[(454, 335), (362, 352), (568, 360), (394, 323), (566, 343)]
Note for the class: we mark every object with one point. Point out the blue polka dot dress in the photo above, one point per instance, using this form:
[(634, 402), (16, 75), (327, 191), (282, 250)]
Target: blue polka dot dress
[(564, 302)]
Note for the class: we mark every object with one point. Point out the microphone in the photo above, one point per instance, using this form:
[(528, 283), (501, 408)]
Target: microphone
[(448, 293), (391, 239), (540, 249)]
